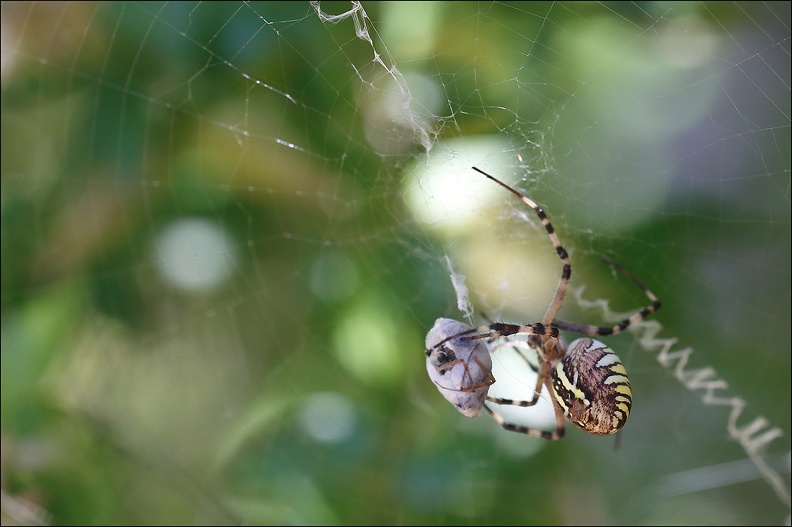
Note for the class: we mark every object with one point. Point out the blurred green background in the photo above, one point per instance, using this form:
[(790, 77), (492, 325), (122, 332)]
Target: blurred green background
[(226, 230)]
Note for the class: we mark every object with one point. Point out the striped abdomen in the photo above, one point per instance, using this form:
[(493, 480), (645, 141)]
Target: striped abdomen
[(592, 387)]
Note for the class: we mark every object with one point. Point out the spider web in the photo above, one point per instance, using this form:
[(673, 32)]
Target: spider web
[(227, 228)]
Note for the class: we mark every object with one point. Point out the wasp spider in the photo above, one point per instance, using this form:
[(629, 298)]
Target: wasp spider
[(587, 382)]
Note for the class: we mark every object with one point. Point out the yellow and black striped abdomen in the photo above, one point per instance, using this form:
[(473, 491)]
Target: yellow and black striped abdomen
[(592, 387)]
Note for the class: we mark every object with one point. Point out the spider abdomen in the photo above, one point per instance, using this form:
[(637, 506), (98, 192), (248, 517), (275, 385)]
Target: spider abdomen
[(592, 387)]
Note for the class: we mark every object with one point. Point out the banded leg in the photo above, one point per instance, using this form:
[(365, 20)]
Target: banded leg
[(499, 330), (594, 331), (544, 368), (566, 272), (558, 433)]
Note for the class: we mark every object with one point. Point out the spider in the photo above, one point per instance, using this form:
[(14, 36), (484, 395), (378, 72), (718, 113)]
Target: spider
[(587, 382)]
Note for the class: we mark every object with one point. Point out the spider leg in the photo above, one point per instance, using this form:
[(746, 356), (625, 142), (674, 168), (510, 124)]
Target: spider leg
[(534, 342), (498, 330), (544, 370), (563, 283), (558, 433), (594, 331)]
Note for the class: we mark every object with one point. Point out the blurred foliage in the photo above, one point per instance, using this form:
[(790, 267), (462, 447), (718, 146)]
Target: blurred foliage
[(288, 386)]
